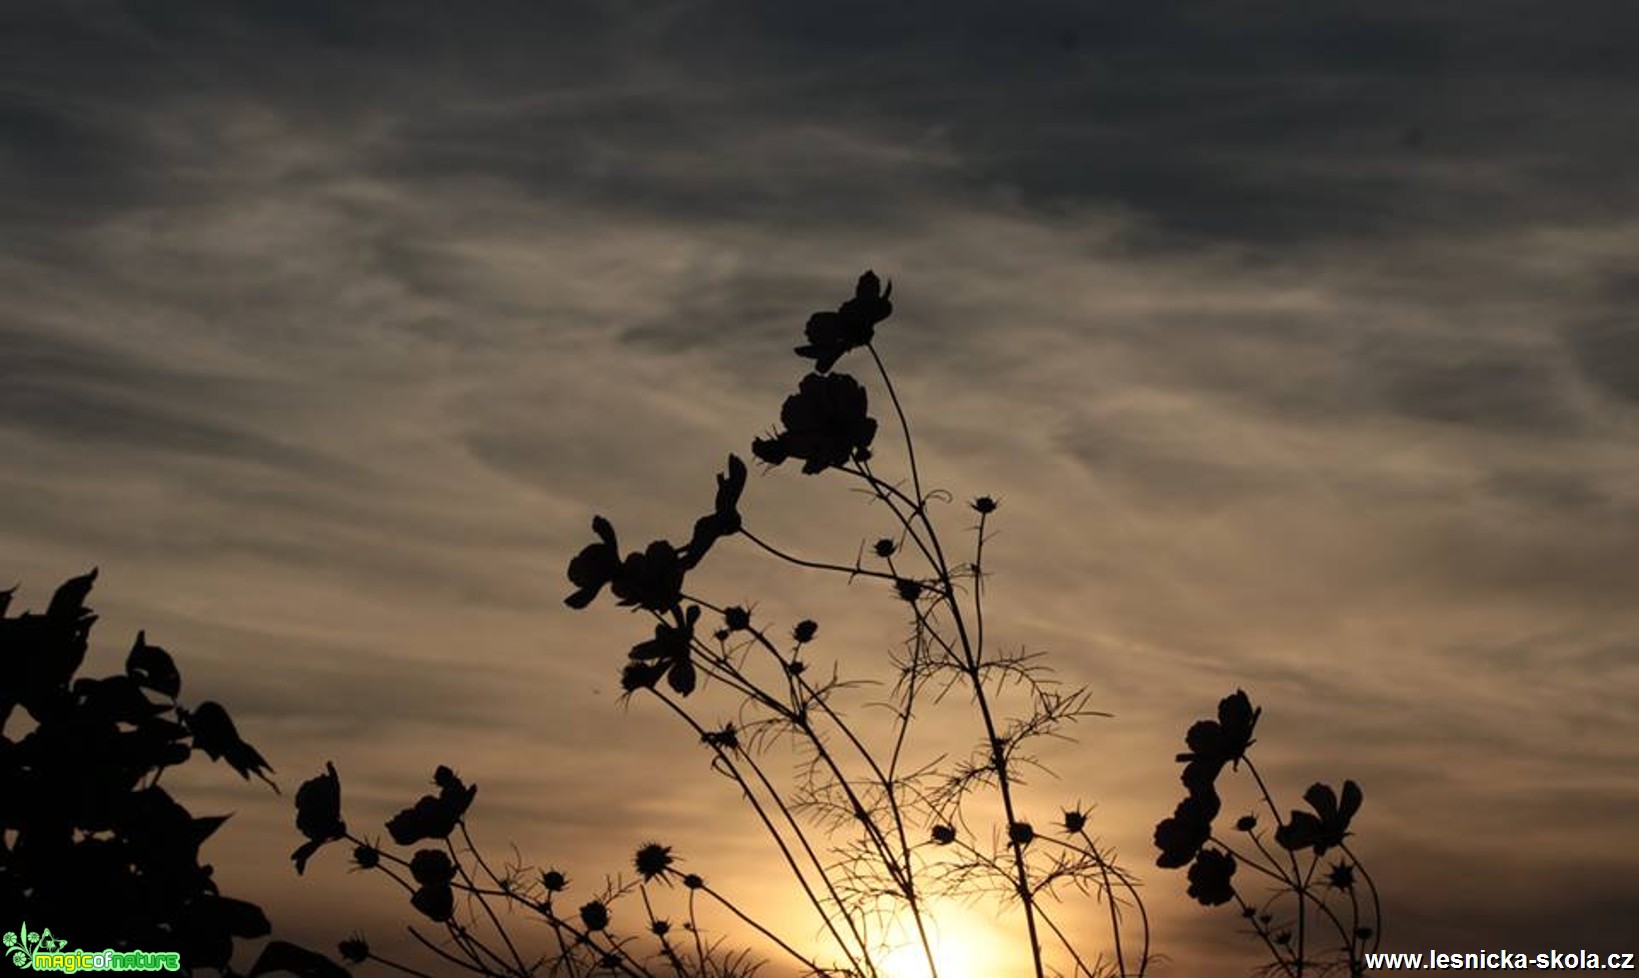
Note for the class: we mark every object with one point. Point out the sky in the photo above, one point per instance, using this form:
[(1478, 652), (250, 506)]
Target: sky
[(1296, 341)]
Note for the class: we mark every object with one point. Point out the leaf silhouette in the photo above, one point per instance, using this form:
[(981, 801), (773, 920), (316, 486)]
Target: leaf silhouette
[(68, 603), (151, 667), (293, 959), (214, 733)]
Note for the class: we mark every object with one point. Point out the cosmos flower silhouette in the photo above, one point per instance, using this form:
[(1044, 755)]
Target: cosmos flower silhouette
[(1214, 743), (1180, 837), (652, 580), (669, 654), (826, 424), (832, 334), (433, 817), (1209, 877), (318, 814), (1328, 826), (596, 565), (724, 519)]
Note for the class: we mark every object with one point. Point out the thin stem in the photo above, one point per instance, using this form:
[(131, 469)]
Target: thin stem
[(1296, 873), (759, 928), (779, 838), (974, 656), (855, 571), (1377, 905), (488, 910), (904, 425), (447, 956)]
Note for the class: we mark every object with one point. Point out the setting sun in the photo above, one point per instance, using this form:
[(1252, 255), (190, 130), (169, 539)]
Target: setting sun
[(964, 946)]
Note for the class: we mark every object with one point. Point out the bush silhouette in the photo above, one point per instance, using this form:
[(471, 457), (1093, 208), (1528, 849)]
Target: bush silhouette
[(90, 841), (877, 825)]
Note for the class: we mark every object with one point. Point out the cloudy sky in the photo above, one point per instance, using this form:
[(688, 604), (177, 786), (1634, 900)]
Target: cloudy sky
[(1296, 339)]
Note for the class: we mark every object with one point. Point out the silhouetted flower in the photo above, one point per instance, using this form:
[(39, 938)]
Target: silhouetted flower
[(1328, 826), (826, 424), (660, 928), (1180, 837), (730, 484), (652, 580), (1246, 823), (907, 589), (805, 631), (653, 860), (433, 817), (693, 881), (436, 901), (1341, 877), (943, 835), (884, 548), (366, 857), (832, 334), (669, 654), (1209, 877), (640, 675), (736, 618), (725, 739), (596, 565), (1214, 743), (984, 505), (1021, 833), (318, 814), (595, 915), (431, 867), (1075, 820), (724, 519), (354, 950), (554, 881)]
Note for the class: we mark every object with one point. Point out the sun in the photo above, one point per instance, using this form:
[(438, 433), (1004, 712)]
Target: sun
[(963, 947), (909, 961)]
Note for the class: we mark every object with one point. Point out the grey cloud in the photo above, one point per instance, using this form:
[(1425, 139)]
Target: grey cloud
[(1154, 460), (63, 389), (1508, 395), (1276, 128), (1607, 352)]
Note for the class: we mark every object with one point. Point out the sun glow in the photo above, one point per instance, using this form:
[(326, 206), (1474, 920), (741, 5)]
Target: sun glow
[(964, 946)]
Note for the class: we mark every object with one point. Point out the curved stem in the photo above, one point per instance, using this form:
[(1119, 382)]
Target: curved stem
[(1297, 875), (904, 425), (779, 839), (855, 571), (1377, 904)]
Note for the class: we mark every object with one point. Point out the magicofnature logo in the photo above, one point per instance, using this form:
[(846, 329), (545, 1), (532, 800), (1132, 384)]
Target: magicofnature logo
[(41, 952)]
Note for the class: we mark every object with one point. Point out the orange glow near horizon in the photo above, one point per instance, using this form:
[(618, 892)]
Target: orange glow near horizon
[(964, 946)]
